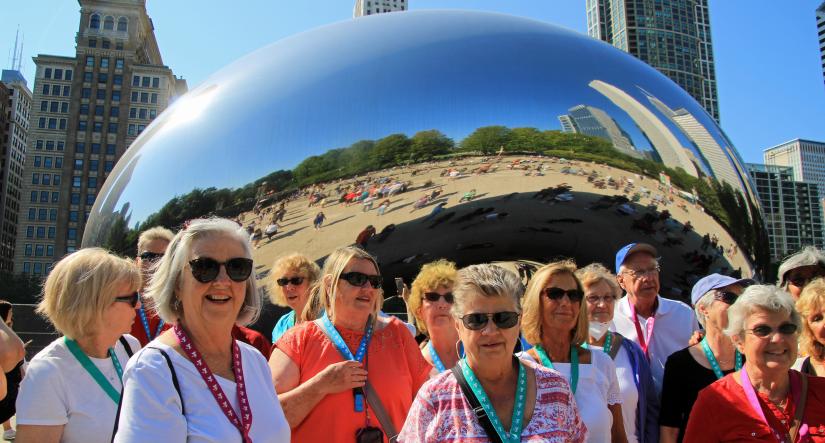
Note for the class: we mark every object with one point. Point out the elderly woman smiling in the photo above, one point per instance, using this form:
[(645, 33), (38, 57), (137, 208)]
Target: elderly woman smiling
[(195, 383), (765, 400), (521, 400), (294, 275)]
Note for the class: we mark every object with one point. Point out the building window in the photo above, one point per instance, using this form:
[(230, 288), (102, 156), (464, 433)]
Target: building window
[(114, 111), (99, 110), (80, 147), (103, 77), (109, 23), (101, 94), (56, 180), (49, 144), (117, 79), (98, 126), (30, 232), (81, 125), (75, 199), (153, 113), (154, 98), (52, 123), (94, 22), (91, 182), (145, 82), (42, 214), (76, 182), (132, 112), (34, 197), (155, 82), (68, 74), (38, 145), (90, 199), (37, 160), (119, 64), (66, 91), (55, 197), (44, 106), (47, 162), (55, 89), (60, 146), (136, 80), (108, 165), (78, 166), (64, 107), (35, 178), (105, 44), (38, 268), (32, 213), (44, 196), (95, 148), (73, 216), (41, 232), (58, 74), (90, 61), (52, 214), (84, 109), (50, 248), (55, 106), (119, 46), (131, 130), (104, 62), (62, 124), (142, 113), (110, 149), (115, 96), (86, 93), (144, 97), (112, 128), (121, 24), (134, 96), (28, 252), (93, 43), (41, 123), (38, 250)]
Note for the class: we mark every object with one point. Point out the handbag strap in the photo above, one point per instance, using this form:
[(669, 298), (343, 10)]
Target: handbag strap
[(615, 346), (481, 415), (380, 413), (800, 407)]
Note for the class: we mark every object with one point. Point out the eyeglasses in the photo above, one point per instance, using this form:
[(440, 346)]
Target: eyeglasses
[(637, 274), (478, 320), (802, 281), (360, 279), (726, 297), (206, 269), (132, 299), (575, 295), (596, 299), (150, 256), (433, 297), (764, 331), (294, 281)]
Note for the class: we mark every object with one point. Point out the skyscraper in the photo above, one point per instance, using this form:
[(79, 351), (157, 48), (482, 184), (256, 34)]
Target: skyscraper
[(13, 138), (805, 157), (820, 27), (87, 110), (673, 36), (594, 121), (369, 7)]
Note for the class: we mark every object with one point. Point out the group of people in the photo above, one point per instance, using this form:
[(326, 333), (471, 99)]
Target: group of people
[(156, 350)]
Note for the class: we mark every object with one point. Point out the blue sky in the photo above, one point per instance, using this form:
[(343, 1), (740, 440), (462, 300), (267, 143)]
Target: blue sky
[(767, 59)]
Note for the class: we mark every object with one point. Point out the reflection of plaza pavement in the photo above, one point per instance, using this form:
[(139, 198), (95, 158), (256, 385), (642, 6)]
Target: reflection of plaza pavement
[(535, 229)]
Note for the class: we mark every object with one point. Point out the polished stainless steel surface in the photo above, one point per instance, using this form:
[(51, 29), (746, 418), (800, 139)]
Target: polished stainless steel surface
[(556, 142)]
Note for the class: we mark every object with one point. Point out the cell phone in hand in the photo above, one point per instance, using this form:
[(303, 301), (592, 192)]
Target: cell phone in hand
[(399, 285)]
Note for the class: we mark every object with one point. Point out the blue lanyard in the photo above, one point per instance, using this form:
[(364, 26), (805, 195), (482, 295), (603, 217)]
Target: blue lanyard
[(145, 322), (574, 364), (93, 370), (714, 364), (437, 360), (339, 344), (518, 403)]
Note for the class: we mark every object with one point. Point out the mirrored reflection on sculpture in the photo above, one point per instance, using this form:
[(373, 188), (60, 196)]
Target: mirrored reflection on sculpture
[(470, 136)]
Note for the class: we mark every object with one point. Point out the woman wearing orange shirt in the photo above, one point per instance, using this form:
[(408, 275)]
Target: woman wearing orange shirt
[(324, 370)]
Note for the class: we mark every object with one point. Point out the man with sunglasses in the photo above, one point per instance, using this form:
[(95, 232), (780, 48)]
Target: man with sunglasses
[(659, 325), (799, 269), (152, 244)]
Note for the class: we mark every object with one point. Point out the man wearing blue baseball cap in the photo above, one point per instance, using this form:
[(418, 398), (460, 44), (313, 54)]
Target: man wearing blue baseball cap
[(659, 325)]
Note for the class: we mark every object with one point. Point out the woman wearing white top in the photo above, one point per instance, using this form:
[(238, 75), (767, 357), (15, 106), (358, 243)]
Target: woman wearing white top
[(72, 387), (195, 383), (640, 404), (555, 323)]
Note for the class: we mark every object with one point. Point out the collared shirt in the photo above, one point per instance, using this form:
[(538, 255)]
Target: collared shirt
[(673, 327)]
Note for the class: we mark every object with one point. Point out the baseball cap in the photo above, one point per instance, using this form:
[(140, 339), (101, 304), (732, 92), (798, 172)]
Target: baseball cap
[(713, 281), (632, 249)]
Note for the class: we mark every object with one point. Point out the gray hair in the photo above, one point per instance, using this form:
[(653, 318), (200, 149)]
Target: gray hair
[(766, 297), (705, 301), (164, 281), (807, 256), (485, 280)]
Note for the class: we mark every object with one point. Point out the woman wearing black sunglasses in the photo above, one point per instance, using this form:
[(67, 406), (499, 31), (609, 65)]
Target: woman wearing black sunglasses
[(293, 277), (521, 400), (556, 324), (72, 387), (430, 302), (195, 382), (349, 375), (765, 400)]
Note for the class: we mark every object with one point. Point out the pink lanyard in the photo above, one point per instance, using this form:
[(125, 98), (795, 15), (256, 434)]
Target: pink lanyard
[(245, 422), (645, 344), (750, 393)]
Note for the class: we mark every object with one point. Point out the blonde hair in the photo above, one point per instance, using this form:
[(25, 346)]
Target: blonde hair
[(298, 263), (164, 282), (440, 273), (532, 318), (323, 294), (486, 280), (811, 300), (81, 287), (152, 234)]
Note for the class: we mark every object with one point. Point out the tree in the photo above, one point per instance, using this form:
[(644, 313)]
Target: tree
[(391, 150), (487, 139), (428, 144)]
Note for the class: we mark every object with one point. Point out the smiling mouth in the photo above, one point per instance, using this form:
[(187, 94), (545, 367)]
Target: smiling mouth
[(218, 298)]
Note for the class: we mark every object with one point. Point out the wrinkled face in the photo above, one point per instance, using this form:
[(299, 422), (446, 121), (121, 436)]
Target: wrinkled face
[(156, 246), (119, 316), (351, 299), (490, 343), (600, 300), (436, 314), (220, 300), (640, 276), (716, 315), (561, 314), (815, 321), (797, 278), (295, 295), (773, 352)]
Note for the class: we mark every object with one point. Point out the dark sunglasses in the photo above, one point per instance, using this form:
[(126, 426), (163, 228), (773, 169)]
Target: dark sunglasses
[(433, 297), (726, 297), (575, 295), (801, 282), (295, 281), (132, 299), (360, 279), (206, 269), (478, 320), (763, 331), (150, 256)]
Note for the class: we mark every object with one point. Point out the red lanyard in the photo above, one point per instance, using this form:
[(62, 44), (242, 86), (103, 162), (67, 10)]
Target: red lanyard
[(750, 394), (645, 344), (244, 423)]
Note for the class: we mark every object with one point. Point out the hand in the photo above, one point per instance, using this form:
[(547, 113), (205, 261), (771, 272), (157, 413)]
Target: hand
[(341, 376), (695, 338)]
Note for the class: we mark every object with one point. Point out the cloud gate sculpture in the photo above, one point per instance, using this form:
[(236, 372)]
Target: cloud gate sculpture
[(471, 136)]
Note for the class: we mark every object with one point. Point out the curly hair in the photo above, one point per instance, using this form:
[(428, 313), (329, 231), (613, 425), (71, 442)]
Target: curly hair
[(811, 300), (440, 273)]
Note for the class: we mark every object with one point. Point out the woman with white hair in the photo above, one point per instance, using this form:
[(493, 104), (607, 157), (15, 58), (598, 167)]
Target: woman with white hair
[(195, 382), (798, 269), (72, 387), (765, 400), (521, 400), (693, 368), (350, 374)]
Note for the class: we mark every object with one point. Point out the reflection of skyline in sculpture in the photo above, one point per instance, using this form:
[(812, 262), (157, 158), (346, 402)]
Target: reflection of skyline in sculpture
[(661, 138), (593, 121)]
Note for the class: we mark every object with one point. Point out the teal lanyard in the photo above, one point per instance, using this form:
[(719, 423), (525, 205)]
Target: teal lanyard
[(93, 370), (437, 360), (518, 403), (574, 364), (608, 342), (715, 364)]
